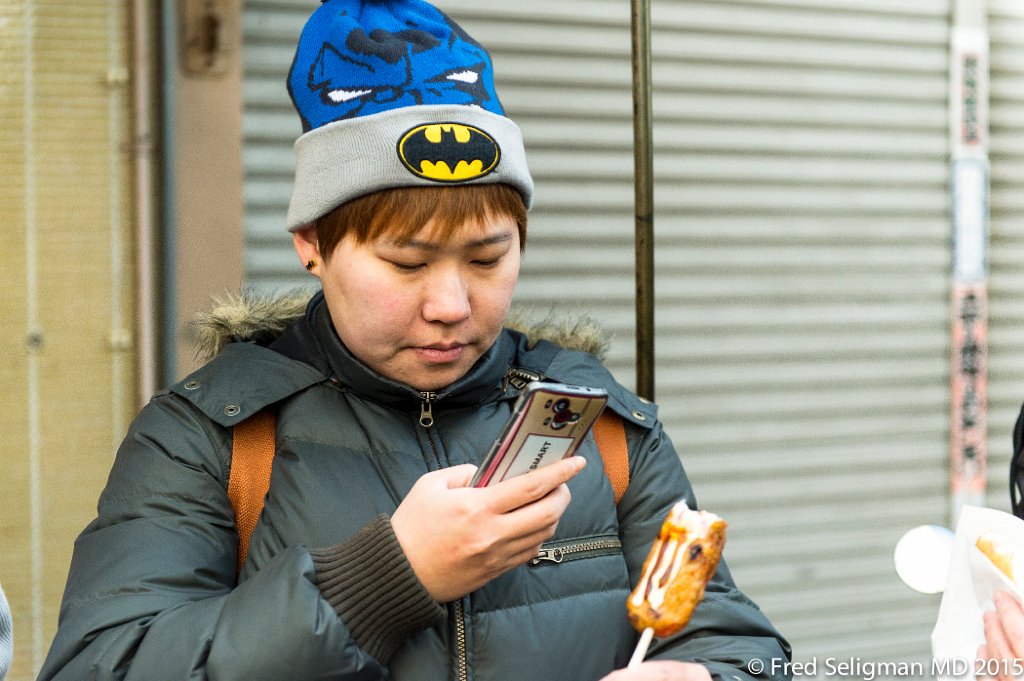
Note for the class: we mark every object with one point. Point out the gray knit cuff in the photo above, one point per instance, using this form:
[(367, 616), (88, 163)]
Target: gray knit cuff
[(346, 159), (370, 584)]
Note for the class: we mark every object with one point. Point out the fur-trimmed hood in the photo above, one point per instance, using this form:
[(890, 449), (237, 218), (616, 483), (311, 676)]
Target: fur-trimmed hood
[(261, 318)]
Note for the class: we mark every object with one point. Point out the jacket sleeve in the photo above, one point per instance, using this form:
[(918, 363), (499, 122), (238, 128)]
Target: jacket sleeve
[(727, 630), (151, 593)]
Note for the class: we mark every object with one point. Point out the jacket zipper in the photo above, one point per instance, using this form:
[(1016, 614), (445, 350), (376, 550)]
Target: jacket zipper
[(427, 421), (427, 408), (519, 378), (460, 639), (561, 554), (557, 554)]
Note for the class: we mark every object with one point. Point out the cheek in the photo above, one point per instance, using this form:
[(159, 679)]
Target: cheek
[(361, 299), (508, 283), (494, 300), (385, 315), (391, 305)]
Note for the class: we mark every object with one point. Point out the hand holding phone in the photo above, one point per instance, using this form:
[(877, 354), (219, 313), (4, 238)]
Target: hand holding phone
[(458, 538), (548, 422)]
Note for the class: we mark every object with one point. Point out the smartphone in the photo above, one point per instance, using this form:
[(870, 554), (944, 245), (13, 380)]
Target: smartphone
[(548, 422)]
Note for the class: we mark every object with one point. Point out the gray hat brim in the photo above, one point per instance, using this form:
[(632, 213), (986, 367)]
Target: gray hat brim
[(347, 159)]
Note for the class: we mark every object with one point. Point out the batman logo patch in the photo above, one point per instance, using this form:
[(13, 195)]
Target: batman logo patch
[(448, 152)]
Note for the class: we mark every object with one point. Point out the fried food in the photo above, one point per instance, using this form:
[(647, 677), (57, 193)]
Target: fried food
[(1001, 552), (681, 561)]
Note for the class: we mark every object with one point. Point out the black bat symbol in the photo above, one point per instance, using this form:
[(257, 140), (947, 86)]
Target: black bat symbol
[(479, 147)]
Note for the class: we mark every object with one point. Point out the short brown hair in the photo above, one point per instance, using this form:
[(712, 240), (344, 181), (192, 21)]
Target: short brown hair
[(403, 211)]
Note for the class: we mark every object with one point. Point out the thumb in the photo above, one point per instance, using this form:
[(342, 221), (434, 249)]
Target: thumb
[(458, 476)]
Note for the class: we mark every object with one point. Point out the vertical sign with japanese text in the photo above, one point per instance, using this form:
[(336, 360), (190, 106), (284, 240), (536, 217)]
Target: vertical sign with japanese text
[(969, 185)]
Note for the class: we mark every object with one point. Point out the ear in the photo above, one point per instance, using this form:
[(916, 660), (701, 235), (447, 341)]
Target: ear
[(306, 246)]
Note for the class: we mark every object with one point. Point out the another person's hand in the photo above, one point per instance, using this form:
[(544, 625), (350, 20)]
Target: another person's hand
[(458, 538), (1002, 655), (662, 670)]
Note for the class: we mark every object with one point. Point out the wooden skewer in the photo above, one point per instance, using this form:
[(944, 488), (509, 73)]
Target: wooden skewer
[(641, 648)]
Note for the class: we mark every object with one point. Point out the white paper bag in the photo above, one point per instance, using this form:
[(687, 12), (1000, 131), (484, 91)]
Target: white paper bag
[(970, 583)]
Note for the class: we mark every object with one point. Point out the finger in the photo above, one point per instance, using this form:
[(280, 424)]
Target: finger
[(526, 549), (995, 637), (459, 476), (520, 544), (507, 556), (522, 489), (448, 478), (1011, 617), (516, 538), (538, 517)]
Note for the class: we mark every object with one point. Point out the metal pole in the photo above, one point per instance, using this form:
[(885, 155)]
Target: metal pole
[(643, 197), (145, 198)]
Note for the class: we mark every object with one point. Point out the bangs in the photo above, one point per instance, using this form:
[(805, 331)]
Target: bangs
[(398, 214)]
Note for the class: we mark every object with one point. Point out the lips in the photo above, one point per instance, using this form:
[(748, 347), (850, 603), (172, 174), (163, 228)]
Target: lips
[(440, 353), (441, 346)]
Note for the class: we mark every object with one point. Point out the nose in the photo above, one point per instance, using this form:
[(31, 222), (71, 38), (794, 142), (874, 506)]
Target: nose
[(446, 299)]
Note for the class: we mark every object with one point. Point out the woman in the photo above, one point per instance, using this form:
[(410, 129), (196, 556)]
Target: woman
[(372, 559)]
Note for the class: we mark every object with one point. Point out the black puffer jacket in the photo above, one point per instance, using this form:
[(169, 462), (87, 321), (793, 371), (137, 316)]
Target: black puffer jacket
[(326, 593)]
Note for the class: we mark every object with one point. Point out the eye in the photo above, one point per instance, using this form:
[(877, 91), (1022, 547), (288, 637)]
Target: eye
[(405, 266), (486, 262)]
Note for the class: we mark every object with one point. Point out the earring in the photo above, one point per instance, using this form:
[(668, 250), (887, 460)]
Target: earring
[(310, 265)]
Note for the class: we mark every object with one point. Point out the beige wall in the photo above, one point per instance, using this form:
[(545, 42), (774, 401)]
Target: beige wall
[(207, 155), (66, 304), (68, 308)]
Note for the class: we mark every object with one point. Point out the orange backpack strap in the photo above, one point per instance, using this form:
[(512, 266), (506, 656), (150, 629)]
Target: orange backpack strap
[(610, 434), (252, 457)]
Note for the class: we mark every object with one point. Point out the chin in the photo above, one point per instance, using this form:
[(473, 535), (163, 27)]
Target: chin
[(434, 383), (433, 380)]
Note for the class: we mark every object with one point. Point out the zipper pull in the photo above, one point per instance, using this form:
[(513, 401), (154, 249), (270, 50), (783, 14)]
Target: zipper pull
[(518, 378), (427, 409), (550, 555)]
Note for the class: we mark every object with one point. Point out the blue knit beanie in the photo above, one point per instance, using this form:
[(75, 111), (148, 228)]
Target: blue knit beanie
[(393, 93)]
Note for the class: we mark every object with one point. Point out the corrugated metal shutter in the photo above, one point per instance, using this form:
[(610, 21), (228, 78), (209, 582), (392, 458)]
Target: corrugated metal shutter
[(803, 298), (1006, 276), (270, 126), (803, 257)]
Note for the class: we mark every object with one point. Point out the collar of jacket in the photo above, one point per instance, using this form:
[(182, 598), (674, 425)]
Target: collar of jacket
[(314, 341)]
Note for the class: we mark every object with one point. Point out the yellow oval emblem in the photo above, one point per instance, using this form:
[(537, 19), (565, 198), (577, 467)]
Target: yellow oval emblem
[(448, 152)]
